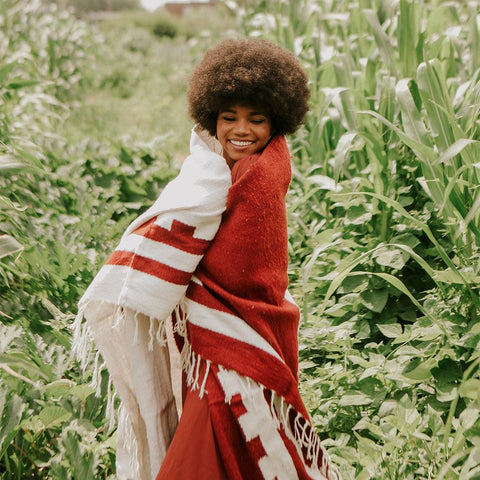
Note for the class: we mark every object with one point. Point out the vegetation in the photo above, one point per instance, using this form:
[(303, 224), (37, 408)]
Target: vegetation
[(83, 7), (384, 219)]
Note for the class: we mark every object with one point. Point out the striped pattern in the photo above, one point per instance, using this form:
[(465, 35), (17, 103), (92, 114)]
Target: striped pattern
[(170, 255), (180, 235), (279, 459), (257, 423)]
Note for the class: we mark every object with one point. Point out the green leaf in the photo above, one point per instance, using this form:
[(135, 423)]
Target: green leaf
[(354, 398), (52, 416), (82, 465), (9, 162), (347, 143), (453, 150), (9, 246), (470, 389), (82, 391), (411, 116), (419, 369), (59, 388), (11, 410), (392, 258), (375, 300), (451, 277), (408, 36), (390, 330), (384, 44), (21, 83), (5, 71), (448, 372)]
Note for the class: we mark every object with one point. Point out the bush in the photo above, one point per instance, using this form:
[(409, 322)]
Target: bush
[(165, 28)]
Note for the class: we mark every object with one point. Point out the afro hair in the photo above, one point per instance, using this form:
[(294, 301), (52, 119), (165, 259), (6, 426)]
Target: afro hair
[(249, 72)]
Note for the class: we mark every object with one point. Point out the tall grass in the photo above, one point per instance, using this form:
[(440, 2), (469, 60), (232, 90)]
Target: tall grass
[(384, 211)]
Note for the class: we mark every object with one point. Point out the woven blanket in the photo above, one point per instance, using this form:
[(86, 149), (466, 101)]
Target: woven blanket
[(214, 256)]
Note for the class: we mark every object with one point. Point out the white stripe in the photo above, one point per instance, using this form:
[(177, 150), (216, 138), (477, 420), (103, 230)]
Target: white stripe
[(150, 295), (256, 422), (226, 324), (289, 298), (205, 226), (160, 252)]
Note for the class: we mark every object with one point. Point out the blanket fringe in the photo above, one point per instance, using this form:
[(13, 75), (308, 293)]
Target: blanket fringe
[(304, 437), (83, 349), (126, 439), (190, 361), (91, 361), (83, 341)]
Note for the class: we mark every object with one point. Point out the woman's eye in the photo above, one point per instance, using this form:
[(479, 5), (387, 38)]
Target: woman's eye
[(257, 121), (228, 118)]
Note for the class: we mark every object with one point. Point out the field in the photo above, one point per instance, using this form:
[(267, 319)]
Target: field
[(384, 215)]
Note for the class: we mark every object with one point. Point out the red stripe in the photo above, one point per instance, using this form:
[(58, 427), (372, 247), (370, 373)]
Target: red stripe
[(247, 360), (199, 294), (179, 236), (152, 267)]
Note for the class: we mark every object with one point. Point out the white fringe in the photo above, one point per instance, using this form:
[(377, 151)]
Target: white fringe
[(304, 437), (127, 440), (83, 349), (190, 361)]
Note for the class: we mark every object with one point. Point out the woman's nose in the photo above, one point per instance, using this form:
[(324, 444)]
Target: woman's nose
[(241, 126)]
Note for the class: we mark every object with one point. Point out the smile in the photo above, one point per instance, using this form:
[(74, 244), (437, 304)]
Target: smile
[(239, 143)]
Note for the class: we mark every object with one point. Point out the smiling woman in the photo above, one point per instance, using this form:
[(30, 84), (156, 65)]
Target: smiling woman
[(242, 131), (212, 254)]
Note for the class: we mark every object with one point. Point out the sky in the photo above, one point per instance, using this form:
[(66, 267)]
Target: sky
[(151, 4)]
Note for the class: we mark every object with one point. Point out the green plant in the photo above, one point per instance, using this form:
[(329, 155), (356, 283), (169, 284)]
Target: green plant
[(165, 29)]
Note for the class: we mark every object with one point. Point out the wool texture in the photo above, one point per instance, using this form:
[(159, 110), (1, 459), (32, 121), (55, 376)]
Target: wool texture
[(212, 256)]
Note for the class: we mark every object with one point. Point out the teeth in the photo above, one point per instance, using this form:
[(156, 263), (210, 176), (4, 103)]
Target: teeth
[(239, 143)]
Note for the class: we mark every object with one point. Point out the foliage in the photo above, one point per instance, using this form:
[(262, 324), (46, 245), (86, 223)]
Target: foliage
[(384, 209), (82, 7), (140, 80), (165, 29)]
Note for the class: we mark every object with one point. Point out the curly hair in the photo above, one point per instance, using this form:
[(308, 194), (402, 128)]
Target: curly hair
[(249, 72)]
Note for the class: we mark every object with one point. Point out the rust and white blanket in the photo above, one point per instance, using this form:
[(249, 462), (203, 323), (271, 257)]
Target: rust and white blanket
[(215, 256)]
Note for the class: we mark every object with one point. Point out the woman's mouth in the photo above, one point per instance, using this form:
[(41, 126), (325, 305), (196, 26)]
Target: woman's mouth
[(241, 143)]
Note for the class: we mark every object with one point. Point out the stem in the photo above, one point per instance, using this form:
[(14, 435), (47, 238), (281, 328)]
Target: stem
[(453, 405)]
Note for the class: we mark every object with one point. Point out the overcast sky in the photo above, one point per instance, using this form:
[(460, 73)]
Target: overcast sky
[(151, 4)]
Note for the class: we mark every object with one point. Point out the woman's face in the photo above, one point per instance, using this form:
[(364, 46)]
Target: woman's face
[(242, 131)]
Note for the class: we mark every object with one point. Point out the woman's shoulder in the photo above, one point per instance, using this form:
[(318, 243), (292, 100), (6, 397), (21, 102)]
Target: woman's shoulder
[(243, 165)]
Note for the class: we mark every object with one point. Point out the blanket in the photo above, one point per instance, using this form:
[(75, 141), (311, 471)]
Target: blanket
[(231, 307)]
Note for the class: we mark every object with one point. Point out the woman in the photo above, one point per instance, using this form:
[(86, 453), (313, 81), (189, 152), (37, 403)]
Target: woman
[(212, 254)]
